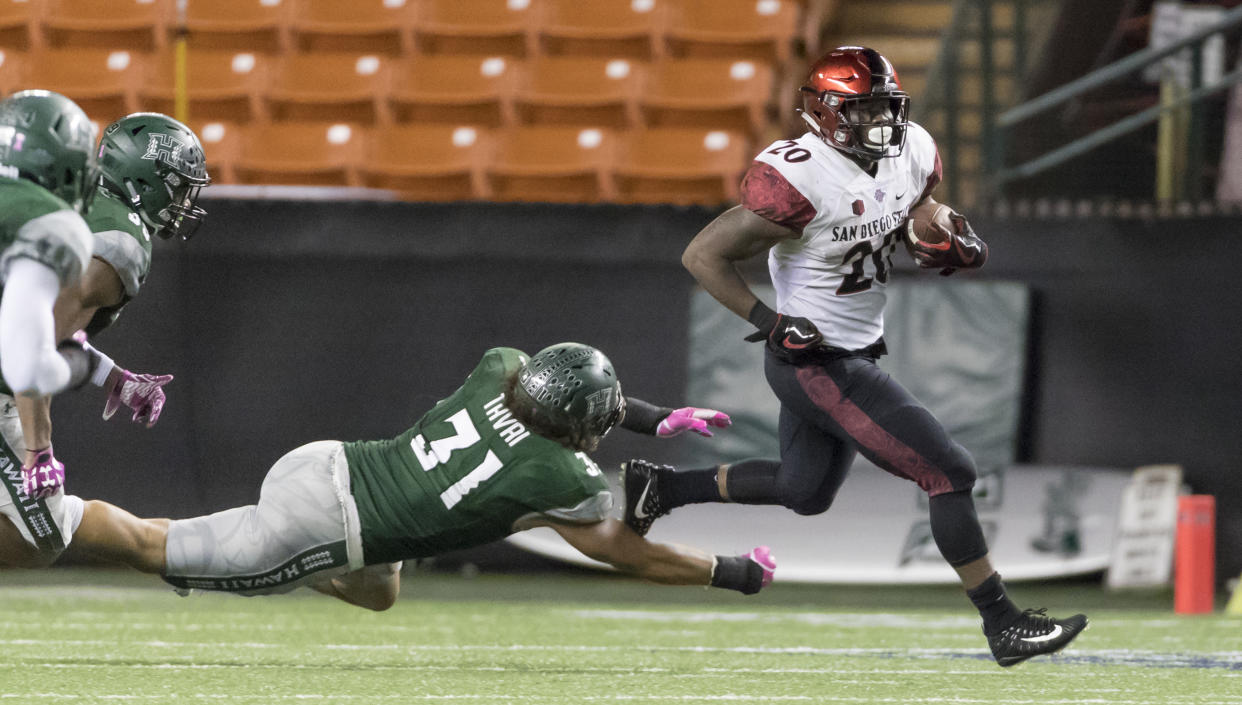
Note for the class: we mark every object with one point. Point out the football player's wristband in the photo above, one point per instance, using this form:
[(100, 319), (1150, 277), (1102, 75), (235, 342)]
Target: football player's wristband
[(737, 573), (762, 317), (643, 417), (103, 365), (85, 363)]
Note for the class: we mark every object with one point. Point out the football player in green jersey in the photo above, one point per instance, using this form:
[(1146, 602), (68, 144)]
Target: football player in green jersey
[(47, 172), (505, 452), (47, 177), (151, 170)]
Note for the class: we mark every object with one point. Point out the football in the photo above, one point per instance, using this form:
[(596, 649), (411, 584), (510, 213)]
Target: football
[(930, 222)]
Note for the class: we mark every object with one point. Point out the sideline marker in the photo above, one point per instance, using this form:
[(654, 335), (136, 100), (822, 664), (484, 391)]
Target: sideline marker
[(1194, 586)]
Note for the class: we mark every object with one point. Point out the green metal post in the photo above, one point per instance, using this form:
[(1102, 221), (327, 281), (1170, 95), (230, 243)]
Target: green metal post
[(951, 105), (987, 35), (1019, 45), (1192, 182)]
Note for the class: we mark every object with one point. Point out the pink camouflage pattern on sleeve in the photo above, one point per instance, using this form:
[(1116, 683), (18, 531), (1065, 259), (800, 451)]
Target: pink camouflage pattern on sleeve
[(767, 193)]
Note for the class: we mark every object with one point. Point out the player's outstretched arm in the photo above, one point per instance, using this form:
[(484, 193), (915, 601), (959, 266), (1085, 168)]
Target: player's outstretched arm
[(649, 419), (612, 542), (101, 286), (141, 393)]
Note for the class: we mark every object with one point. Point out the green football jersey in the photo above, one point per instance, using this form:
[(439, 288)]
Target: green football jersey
[(468, 473), (35, 223), (122, 241)]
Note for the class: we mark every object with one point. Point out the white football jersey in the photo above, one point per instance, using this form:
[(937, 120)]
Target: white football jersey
[(836, 274)]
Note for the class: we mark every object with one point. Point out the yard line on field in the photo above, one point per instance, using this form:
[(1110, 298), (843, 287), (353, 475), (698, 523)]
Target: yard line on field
[(702, 673), (850, 619), (620, 697), (1228, 660)]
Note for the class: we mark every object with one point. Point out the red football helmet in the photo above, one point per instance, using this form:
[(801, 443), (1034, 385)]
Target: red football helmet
[(853, 100)]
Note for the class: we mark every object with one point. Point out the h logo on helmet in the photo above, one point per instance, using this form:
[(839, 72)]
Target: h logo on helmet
[(599, 402), (163, 148)]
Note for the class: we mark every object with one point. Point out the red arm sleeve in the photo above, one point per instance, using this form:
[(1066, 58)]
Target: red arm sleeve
[(766, 193), (933, 179)]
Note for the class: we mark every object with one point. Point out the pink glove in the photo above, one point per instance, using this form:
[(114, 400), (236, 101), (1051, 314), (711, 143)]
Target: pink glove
[(763, 556), (690, 418), (142, 393), (45, 477)]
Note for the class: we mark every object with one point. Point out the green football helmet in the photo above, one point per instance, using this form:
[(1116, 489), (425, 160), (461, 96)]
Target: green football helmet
[(46, 138), (573, 389), (156, 165)]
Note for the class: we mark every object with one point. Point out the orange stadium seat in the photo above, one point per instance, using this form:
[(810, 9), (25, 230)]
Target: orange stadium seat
[(137, 25), (19, 27), (605, 28), (554, 164), (426, 162), (474, 27), (717, 93), (221, 85), (761, 30), (239, 25), (383, 26), (457, 90), (12, 76), (299, 153), (580, 91), (329, 87), (680, 165), (105, 83), (222, 145)]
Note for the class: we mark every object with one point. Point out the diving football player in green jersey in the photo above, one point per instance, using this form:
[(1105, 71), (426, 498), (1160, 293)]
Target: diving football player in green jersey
[(151, 168), (505, 452)]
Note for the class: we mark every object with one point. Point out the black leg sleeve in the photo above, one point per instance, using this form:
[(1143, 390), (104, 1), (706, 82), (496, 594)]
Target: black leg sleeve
[(956, 529), (753, 482)]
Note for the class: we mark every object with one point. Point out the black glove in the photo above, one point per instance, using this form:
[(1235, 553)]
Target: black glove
[(790, 337), (963, 249)]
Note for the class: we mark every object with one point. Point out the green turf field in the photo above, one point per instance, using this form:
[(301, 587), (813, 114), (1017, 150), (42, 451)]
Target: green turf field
[(89, 636)]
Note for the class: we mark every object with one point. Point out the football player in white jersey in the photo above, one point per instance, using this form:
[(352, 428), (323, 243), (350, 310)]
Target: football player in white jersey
[(829, 209)]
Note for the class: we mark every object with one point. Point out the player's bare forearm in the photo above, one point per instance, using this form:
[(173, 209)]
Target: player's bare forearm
[(611, 541), (36, 417), (362, 588), (712, 256), (99, 286)]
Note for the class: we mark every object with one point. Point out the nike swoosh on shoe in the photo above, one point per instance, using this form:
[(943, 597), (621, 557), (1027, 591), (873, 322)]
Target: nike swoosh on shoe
[(642, 498), (1056, 632)]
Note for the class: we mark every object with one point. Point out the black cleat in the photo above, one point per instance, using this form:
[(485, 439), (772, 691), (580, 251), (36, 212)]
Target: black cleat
[(641, 480), (1034, 633)]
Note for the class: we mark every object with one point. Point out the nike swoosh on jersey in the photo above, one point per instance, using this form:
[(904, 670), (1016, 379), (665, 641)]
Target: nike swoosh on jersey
[(638, 508), (1056, 632)]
